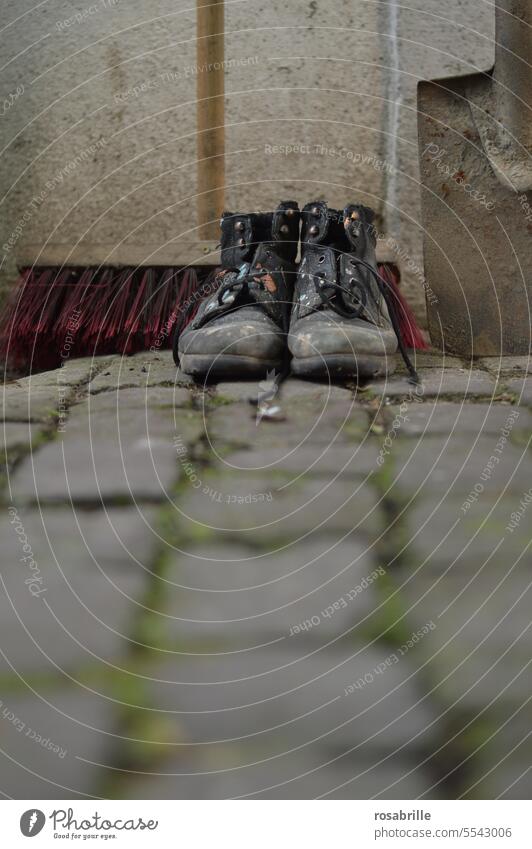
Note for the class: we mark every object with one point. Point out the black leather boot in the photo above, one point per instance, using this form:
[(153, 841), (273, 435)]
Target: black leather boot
[(240, 330), (341, 324)]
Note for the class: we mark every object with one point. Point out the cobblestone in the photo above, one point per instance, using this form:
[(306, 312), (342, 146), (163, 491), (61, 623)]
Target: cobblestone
[(507, 365), (441, 532), (144, 369), (446, 418), (70, 720), (456, 464), (218, 773), (258, 597), (314, 421), (222, 639), (70, 601), (290, 389), (437, 382), (96, 460), (134, 398), (15, 438), (323, 461), (39, 397), (25, 404), (504, 759), (522, 387), (72, 373), (275, 511), (288, 697), (434, 359), (478, 651)]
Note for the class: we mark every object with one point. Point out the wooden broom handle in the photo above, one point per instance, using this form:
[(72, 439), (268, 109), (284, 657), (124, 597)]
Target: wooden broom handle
[(210, 116)]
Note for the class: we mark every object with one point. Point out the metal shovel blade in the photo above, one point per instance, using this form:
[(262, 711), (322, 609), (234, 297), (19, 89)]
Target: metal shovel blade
[(475, 144)]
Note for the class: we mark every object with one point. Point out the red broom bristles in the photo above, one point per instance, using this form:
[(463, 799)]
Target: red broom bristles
[(110, 310), (411, 333)]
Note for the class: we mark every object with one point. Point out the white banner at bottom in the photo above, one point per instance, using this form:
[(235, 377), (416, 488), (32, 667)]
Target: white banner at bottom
[(265, 824)]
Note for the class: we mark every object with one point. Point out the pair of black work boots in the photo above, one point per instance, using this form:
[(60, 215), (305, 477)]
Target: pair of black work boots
[(329, 316)]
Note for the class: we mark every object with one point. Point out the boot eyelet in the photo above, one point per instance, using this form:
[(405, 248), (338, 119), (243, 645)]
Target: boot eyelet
[(314, 230), (239, 226), (321, 259), (284, 229)]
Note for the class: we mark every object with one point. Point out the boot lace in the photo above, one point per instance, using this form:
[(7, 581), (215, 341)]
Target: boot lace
[(349, 303)]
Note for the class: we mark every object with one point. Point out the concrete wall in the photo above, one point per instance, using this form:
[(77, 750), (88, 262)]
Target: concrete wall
[(95, 170)]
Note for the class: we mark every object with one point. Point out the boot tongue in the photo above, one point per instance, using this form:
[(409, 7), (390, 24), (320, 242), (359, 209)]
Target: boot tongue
[(267, 282), (271, 283)]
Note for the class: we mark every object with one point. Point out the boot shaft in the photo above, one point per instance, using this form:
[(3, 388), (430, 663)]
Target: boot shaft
[(347, 230), (338, 248), (243, 233)]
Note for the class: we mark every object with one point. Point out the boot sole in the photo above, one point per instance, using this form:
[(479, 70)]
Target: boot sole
[(336, 366), (226, 366)]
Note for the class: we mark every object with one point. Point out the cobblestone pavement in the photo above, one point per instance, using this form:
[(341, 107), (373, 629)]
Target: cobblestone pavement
[(334, 604)]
